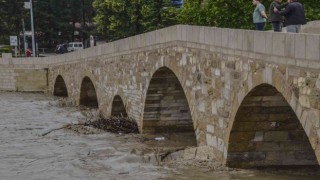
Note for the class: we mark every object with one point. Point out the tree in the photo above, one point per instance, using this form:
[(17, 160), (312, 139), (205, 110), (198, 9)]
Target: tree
[(11, 14), (230, 13), (66, 14), (44, 20), (158, 14), (312, 8), (58, 20), (117, 19)]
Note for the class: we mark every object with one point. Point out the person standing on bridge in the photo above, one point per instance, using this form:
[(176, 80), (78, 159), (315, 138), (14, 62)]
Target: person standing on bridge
[(294, 14), (28, 52), (259, 15), (276, 19)]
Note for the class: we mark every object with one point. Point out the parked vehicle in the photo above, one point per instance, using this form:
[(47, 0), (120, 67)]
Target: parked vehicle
[(74, 46)]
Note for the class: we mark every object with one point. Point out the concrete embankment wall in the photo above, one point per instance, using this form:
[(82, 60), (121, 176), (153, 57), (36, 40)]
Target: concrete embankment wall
[(23, 74)]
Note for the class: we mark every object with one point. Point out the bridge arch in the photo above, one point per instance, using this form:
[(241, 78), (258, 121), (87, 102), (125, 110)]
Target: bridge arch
[(88, 93), (118, 108), (267, 132), (166, 107), (60, 87)]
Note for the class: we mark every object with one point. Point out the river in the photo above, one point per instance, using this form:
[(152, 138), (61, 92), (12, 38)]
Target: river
[(64, 154)]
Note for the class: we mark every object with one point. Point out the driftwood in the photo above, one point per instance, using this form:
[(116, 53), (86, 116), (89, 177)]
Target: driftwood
[(113, 124), (163, 156), (51, 130), (116, 125)]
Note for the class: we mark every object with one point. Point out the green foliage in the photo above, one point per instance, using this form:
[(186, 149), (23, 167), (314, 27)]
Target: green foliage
[(112, 18), (117, 19), (158, 14), (5, 50), (231, 13), (312, 8), (62, 17)]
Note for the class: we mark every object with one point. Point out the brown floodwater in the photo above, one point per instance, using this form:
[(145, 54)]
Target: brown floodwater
[(65, 154)]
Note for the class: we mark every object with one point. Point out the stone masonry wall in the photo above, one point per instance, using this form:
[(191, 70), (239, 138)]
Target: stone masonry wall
[(7, 80), (23, 74), (31, 80), (216, 68)]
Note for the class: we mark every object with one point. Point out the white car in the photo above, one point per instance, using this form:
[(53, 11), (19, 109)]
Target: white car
[(74, 46)]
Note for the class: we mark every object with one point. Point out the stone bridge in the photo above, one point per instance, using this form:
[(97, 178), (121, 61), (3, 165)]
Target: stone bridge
[(251, 98)]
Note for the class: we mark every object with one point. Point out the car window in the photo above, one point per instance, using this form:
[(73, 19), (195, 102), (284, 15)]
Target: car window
[(75, 45), (80, 45)]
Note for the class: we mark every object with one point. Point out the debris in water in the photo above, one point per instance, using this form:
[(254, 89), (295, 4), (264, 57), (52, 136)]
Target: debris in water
[(159, 138), (119, 125)]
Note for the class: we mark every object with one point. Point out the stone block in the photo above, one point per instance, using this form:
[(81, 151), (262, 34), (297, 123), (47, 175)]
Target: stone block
[(211, 140), (275, 157), (205, 153), (276, 136), (202, 36), (241, 146), (202, 107), (218, 37), (232, 38), (189, 153), (248, 41), (268, 75), (290, 45), (278, 44), (220, 145), (268, 146), (195, 34), (259, 42), (243, 126), (312, 47), (241, 136), (238, 41), (224, 37), (304, 101), (269, 43), (210, 129), (258, 137)]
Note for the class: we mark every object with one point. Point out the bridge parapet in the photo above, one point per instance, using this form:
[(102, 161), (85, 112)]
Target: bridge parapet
[(301, 50)]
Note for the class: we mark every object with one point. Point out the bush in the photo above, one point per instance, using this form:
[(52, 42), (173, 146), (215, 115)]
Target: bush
[(5, 50)]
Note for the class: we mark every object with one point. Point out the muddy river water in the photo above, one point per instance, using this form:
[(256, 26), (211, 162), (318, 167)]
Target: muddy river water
[(64, 154)]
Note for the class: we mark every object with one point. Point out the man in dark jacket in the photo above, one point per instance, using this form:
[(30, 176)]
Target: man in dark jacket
[(294, 14), (276, 19)]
